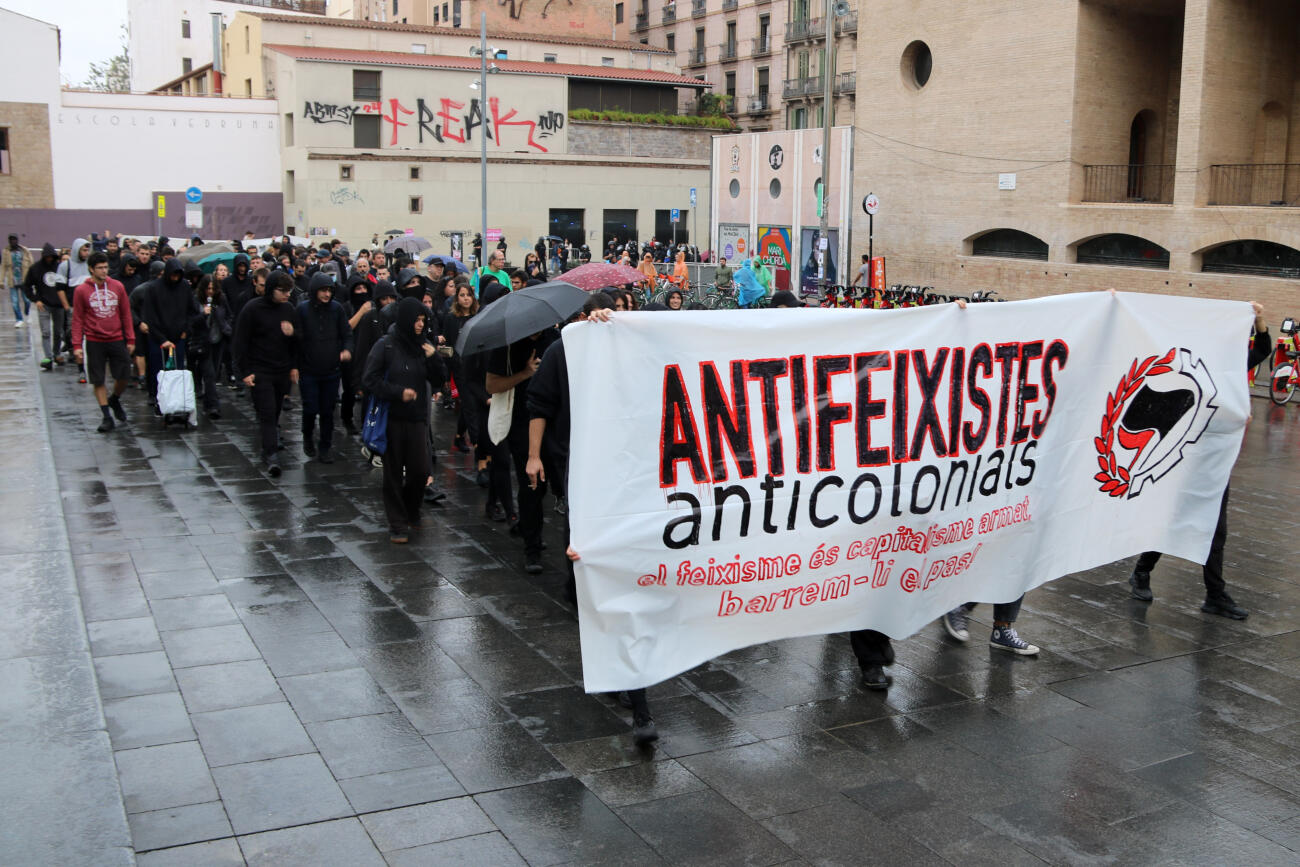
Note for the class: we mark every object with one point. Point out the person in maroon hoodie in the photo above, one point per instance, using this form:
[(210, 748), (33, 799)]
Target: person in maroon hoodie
[(103, 336)]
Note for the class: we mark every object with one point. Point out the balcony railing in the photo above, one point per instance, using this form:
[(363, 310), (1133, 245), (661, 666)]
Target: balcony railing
[(807, 28), (758, 104), (696, 57), (698, 8), (847, 24), (1264, 185), (762, 45), (642, 21), (846, 82), (796, 88), (729, 5), (1153, 184), (315, 7), (728, 51), (670, 13)]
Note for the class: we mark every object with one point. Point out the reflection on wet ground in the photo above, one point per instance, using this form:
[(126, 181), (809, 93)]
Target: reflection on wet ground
[(268, 679)]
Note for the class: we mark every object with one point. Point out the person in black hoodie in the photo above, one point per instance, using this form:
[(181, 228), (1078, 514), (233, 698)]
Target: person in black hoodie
[(169, 308), (209, 333), (136, 297), (130, 274), (325, 343), (368, 326), (402, 369), (238, 287), (51, 299), (265, 350)]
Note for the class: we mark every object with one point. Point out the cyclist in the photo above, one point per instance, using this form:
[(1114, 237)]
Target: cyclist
[(722, 275)]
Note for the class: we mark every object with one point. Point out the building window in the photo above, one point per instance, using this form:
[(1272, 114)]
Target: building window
[(248, 87), (365, 130), (419, 48), (290, 191), (1255, 258), (4, 150), (394, 7), (288, 129), (620, 223), (185, 28), (345, 173), (1009, 244), (365, 85), (550, 58), (415, 173), (671, 40), (618, 13), (918, 63), (436, 13), (567, 223), (247, 49), (1124, 250), (664, 226), (445, 16), (607, 61), (417, 204), (730, 88), (187, 65)]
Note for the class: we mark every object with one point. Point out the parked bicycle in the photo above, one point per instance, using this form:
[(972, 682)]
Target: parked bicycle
[(1286, 375)]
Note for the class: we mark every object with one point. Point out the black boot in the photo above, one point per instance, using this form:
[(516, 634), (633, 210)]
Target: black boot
[(1223, 606), (1140, 585), (874, 677)]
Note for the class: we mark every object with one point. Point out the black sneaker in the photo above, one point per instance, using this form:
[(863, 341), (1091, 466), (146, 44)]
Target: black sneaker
[(214, 414), (874, 677), (325, 456), (644, 731), (115, 404), (433, 495), (273, 467), (482, 478), (533, 563), (106, 425), (156, 410), (309, 447), (495, 512), (1139, 586), (1223, 606), (47, 364)]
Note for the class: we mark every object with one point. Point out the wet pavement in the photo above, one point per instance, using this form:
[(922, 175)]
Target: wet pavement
[(200, 665)]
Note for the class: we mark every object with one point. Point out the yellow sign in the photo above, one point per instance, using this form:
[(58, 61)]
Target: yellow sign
[(162, 207)]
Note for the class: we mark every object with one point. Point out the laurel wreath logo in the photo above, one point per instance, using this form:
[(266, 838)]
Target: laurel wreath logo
[(1114, 479)]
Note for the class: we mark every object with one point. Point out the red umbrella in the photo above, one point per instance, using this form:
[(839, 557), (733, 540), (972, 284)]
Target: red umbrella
[(600, 275)]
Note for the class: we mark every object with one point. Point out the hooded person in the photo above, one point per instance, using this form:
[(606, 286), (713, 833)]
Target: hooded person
[(359, 288), (43, 288), (13, 268), (137, 296), (403, 369), (410, 284), (74, 271), (368, 327), (265, 353), (748, 287), (238, 287), (169, 308), (130, 274), (325, 343)]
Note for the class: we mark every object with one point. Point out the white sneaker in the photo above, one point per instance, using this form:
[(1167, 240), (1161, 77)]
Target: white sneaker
[(18, 324)]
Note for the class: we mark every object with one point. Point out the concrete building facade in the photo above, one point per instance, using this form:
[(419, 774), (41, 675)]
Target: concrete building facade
[(1045, 146), (768, 57), (589, 18), (169, 39), (29, 68)]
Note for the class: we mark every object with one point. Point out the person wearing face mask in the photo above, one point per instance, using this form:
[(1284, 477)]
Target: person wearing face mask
[(326, 343), (169, 308), (265, 348), (404, 370), (238, 287)]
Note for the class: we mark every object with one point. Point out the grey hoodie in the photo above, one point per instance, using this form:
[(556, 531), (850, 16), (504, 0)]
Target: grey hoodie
[(75, 269)]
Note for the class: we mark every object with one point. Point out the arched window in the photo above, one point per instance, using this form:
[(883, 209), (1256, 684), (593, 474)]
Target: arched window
[(1258, 258), (1009, 244), (1126, 250)]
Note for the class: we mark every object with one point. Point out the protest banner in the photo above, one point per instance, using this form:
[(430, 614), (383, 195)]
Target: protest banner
[(740, 477)]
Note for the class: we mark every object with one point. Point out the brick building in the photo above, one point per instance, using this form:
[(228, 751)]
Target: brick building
[(1049, 146)]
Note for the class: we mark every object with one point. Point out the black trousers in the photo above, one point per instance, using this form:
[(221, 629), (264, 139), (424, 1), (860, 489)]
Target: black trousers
[(204, 367), (319, 395), (269, 390), (530, 498), (348, 405), (1212, 571), (406, 469), (871, 647)]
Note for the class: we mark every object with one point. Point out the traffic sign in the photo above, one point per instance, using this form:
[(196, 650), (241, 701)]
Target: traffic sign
[(162, 206), (871, 204), (193, 195), (676, 215), (692, 197)]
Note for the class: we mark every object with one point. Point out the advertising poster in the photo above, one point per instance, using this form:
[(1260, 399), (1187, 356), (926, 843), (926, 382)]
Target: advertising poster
[(774, 246), (733, 242), (808, 251)]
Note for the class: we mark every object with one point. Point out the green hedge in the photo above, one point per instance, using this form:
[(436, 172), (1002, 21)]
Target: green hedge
[(615, 116)]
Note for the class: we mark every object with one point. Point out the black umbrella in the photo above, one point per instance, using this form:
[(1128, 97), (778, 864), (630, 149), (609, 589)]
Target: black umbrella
[(519, 314)]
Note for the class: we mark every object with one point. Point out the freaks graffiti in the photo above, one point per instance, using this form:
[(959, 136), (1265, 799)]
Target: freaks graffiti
[(328, 112), (446, 120)]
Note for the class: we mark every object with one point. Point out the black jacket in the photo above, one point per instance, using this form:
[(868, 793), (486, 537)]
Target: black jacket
[(238, 289), (548, 398), (133, 279), (34, 285), (170, 305), (325, 334), (204, 328), (260, 344), (1262, 348), (398, 362)]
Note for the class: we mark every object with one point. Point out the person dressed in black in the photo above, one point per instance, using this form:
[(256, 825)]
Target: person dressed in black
[(371, 322), (463, 309), (548, 461), (1217, 600), (325, 343), (238, 287), (509, 370), (169, 308), (265, 351), (403, 369), (210, 333)]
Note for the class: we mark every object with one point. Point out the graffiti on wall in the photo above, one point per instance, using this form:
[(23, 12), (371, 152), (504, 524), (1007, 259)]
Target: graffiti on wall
[(447, 120), (343, 195)]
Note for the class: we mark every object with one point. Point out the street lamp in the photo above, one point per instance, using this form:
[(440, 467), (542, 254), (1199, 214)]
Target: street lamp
[(482, 52), (834, 9)]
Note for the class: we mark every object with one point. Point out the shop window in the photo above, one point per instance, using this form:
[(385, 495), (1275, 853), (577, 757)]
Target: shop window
[(567, 223), (1257, 258), (1123, 250), (1009, 244)]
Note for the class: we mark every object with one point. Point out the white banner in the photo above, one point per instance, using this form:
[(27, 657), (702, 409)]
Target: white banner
[(740, 476)]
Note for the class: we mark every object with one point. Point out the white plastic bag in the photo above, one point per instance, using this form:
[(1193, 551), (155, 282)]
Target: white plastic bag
[(176, 392), (501, 413)]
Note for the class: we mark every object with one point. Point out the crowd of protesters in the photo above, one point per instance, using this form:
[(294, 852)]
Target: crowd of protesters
[(347, 327)]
